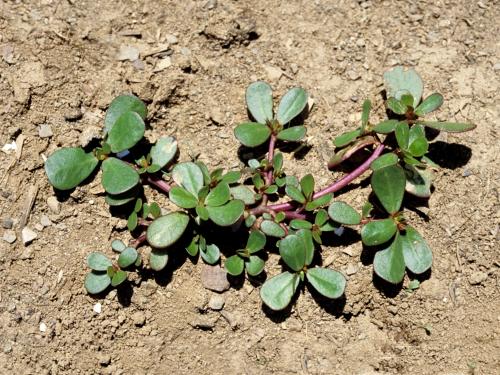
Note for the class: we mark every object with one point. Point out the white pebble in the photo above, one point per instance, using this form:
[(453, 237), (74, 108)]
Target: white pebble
[(97, 308), (43, 327)]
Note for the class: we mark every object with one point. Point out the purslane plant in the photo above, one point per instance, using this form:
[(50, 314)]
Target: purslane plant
[(214, 203)]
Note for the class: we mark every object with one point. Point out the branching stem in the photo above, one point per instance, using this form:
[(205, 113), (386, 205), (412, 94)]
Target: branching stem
[(160, 184)]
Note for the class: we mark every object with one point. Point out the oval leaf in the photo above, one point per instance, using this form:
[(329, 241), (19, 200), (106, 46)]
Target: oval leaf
[(417, 254), (403, 135), (118, 176), (346, 138), (163, 151), (252, 134), (399, 82), (218, 195), (278, 291), (126, 132), (98, 261), (389, 264), (69, 166), (227, 214), (118, 278), (259, 98), (127, 257), (122, 199), (256, 241), (378, 232), (295, 193), (293, 252), (120, 105), (272, 229), (211, 254), (189, 176), (96, 282), (166, 230), (429, 104), (418, 181), (344, 214), (327, 282), (307, 237), (234, 265), (182, 198), (291, 105), (450, 127), (385, 127), (384, 161), (244, 194), (158, 259), (292, 134), (254, 265), (389, 183), (118, 246)]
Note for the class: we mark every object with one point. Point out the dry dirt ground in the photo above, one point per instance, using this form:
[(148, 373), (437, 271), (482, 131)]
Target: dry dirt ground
[(62, 62)]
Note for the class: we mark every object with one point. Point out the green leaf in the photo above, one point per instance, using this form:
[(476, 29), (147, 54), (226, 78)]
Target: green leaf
[(118, 246), (254, 265), (292, 134), (429, 104), (418, 181), (218, 195), (126, 132), (389, 183), (259, 98), (231, 177), (256, 241), (278, 291), (319, 202), (450, 127), (96, 282), (293, 251), (202, 212), (98, 261), (227, 214), (138, 205), (163, 151), (399, 82), (192, 248), (343, 213), (158, 259), (384, 161), (234, 265), (182, 198), (389, 264), (204, 170), (258, 181), (366, 210), (277, 162), (377, 232), (69, 166), (327, 282), (300, 224), (403, 135), (189, 176), (307, 185), (365, 115), (132, 221), (118, 278), (416, 252), (346, 138), (321, 217), (211, 254), (120, 105), (417, 144), (244, 194), (122, 199), (291, 105), (118, 176), (127, 257), (294, 193), (396, 106), (307, 237), (166, 230), (272, 229), (385, 127), (407, 100), (252, 134), (272, 189), (250, 220), (155, 210)]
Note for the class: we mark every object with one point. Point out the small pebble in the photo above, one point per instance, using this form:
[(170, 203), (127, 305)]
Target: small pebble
[(45, 131), (351, 269), (214, 278), (28, 235), (97, 308), (9, 236), (104, 359), (478, 278), (73, 114), (273, 72), (352, 75), (139, 319), (53, 204), (128, 53), (467, 173), (43, 327), (7, 223), (171, 39), (216, 302), (7, 348), (45, 221)]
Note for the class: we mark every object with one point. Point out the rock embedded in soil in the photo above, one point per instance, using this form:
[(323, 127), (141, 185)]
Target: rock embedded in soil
[(45, 131), (53, 204), (478, 278), (73, 114), (139, 319), (9, 236), (216, 302), (128, 53), (28, 235), (7, 223), (214, 278)]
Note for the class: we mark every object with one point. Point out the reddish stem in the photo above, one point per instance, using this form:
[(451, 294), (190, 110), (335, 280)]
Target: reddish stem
[(336, 186), (268, 176), (135, 243), (159, 183)]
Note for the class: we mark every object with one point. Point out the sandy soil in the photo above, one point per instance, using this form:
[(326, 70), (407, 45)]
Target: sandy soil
[(62, 62)]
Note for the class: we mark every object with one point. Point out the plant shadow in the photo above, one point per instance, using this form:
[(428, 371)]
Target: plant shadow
[(449, 155)]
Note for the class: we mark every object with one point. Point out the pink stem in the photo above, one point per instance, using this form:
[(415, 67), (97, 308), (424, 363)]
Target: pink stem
[(344, 181), (159, 183), (135, 243), (270, 157)]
